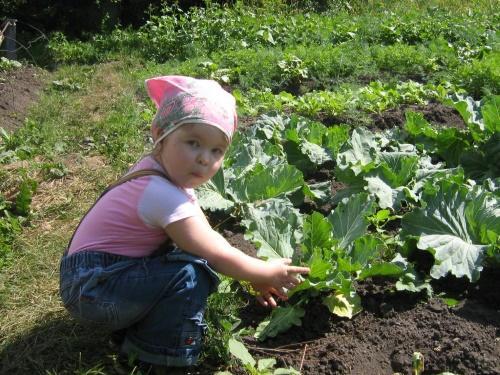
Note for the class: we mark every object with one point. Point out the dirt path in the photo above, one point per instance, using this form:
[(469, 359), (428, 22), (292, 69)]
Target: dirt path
[(19, 88)]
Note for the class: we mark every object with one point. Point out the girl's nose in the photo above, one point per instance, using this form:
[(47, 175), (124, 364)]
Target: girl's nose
[(203, 158)]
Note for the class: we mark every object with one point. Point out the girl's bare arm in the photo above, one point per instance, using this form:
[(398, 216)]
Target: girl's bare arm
[(195, 236)]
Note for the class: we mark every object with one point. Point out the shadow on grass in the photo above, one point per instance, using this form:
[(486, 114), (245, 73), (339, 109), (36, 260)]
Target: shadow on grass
[(59, 345)]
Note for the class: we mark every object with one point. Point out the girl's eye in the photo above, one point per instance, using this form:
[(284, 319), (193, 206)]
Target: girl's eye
[(218, 151), (193, 143)]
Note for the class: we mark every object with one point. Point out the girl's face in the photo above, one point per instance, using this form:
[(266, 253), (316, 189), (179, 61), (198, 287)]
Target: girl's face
[(192, 154)]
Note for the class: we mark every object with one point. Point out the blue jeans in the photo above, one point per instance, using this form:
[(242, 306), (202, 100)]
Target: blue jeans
[(159, 300)]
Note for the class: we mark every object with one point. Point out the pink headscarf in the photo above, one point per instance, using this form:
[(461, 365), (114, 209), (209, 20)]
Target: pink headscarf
[(181, 100)]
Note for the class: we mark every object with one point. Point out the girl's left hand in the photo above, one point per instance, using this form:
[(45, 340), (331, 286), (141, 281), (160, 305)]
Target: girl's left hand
[(266, 295)]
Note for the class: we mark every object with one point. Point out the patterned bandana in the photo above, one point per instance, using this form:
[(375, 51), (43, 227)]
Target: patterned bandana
[(184, 100)]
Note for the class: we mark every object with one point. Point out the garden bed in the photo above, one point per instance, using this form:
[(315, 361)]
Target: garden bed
[(463, 339), (462, 336)]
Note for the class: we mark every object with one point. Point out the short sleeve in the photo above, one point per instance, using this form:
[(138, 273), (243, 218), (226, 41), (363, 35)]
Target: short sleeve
[(163, 203)]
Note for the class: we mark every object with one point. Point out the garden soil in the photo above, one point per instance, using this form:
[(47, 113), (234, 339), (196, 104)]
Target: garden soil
[(463, 339)]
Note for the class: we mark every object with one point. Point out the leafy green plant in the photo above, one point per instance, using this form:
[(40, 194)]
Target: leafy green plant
[(293, 70), (63, 50), (222, 320), (13, 214), (253, 68), (214, 72), (381, 219), (457, 226), (417, 363), (22, 203), (404, 60), (338, 251), (264, 366), (66, 84), (322, 103), (393, 176), (481, 77), (475, 149), (10, 227), (53, 170), (9, 142), (376, 97), (385, 179)]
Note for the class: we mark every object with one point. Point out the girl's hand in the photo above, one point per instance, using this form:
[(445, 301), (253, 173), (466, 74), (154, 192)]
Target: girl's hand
[(266, 295), (282, 278)]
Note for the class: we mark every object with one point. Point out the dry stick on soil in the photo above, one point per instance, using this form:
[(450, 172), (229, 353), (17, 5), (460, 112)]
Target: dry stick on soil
[(268, 350), (222, 222), (296, 344), (280, 349), (303, 356)]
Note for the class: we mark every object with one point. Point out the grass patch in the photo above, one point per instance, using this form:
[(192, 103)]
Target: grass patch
[(36, 334)]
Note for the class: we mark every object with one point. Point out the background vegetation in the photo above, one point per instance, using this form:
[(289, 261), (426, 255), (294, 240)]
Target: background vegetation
[(338, 62)]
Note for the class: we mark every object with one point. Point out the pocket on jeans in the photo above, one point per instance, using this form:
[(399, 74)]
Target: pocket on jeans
[(193, 331), (90, 310)]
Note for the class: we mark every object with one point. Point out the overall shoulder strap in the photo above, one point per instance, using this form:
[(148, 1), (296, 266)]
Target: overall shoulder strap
[(123, 179), (135, 174)]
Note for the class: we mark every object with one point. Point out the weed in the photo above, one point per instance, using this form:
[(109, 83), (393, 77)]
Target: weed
[(222, 320), (6, 64), (53, 170), (481, 77)]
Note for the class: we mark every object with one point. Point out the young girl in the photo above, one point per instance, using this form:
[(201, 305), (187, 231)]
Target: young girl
[(117, 270)]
